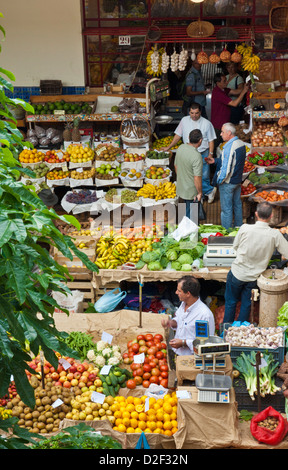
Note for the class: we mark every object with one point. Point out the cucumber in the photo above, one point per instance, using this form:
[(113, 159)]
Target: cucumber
[(106, 391), (122, 379), (108, 380), (102, 377), (113, 379), (111, 391)]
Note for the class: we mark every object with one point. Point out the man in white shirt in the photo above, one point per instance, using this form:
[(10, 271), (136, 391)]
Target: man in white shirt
[(187, 124), (254, 245), (190, 310)]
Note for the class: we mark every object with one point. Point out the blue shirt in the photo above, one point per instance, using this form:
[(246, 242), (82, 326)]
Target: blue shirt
[(226, 153), (195, 79)]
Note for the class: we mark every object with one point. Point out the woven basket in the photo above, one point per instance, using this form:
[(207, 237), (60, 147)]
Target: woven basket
[(200, 29), (278, 18)]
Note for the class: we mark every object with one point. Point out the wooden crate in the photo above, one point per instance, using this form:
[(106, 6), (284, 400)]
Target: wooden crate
[(86, 288), (100, 290)]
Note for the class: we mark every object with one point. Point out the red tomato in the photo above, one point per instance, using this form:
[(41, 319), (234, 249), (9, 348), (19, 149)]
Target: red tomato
[(163, 346), (154, 379), (142, 342), (149, 344), (155, 371), (148, 337), (152, 351), (153, 364), (139, 371), (147, 367), (164, 374), (163, 367), (164, 383), (159, 355), (150, 357), (146, 376), (125, 355), (140, 337), (138, 379), (135, 347), (158, 337), (145, 383), (143, 349), (134, 366), (131, 383)]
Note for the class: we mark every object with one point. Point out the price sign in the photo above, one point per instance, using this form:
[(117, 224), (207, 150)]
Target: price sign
[(124, 41)]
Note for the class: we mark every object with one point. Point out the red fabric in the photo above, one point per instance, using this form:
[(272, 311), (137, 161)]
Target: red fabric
[(265, 435), (220, 111)]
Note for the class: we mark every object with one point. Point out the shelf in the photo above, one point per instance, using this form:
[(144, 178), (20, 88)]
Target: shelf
[(269, 149), (268, 114), (83, 117)]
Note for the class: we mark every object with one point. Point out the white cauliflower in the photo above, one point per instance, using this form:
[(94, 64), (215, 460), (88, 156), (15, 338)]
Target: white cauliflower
[(101, 345), (100, 361), (91, 355), (107, 352), (116, 349), (113, 361)]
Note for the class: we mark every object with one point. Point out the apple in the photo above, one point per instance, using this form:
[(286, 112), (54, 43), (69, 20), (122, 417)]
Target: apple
[(55, 376), (77, 375), (80, 368), (74, 382), (92, 376)]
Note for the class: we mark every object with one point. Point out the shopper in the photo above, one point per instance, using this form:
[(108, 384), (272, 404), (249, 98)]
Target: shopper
[(228, 176), (254, 245), (221, 103), (190, 310), (236, 84), (188, 168), (195, 120), (195, 89)]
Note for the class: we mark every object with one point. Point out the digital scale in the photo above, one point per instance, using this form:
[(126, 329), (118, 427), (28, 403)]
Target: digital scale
[(219, 251), (212, 388)]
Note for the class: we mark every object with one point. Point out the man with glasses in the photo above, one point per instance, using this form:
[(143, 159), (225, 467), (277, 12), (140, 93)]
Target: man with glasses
[(187, 124), (228, 176)]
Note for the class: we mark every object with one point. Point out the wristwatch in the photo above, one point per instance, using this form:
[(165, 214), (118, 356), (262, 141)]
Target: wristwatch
[(183, 342)]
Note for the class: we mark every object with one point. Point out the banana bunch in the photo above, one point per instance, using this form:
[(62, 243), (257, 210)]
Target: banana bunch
[(250, 61), (154, 57), (112, 250), (165, 190), (244, 49)]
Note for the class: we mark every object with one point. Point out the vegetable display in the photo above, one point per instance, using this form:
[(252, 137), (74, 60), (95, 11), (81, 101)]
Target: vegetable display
[(266, 177), (254, 337), (266, 159), (272, 196), (246, 363)]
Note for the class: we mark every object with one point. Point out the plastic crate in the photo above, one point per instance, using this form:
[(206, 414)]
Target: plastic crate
[(50, 87), (245, 402)]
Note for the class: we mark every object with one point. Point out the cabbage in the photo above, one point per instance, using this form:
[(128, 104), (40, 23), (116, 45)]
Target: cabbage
[(172, 255), (186, 267), (185, 258), (140, 264), (164, 261), (176, 265), (155, 266), (149, 256)]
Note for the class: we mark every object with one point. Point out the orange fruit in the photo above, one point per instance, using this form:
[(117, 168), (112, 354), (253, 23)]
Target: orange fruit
[(142, 417), (134, 423), (159, 424), (168, 432), (134, 415), (167, 425), (126, 422), (121, 428), (173, 430), (130, 399), (130, 430), (130, 407), (142, 425), (167, 408)]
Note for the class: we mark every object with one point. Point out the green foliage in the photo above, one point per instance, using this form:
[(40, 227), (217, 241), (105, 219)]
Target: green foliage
[(22, 438), (78, 437)]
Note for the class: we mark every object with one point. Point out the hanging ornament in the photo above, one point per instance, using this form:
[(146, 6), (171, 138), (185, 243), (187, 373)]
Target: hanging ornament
[(193, 55)]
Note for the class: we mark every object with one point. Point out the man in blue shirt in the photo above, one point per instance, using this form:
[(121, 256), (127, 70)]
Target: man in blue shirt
[(228, 176), (195, 89)]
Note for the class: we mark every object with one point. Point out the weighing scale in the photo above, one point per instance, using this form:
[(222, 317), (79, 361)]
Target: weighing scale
[(219, 251), (212, 388)]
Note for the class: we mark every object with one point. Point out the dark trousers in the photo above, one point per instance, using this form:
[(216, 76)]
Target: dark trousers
[(237, 290)]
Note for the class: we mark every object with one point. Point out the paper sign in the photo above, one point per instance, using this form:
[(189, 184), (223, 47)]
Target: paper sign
[(105, 370), (64, 167), (261, 170), (269, 133), (79, 170), (106, 337), (57, 403), (139, 358), (97, 397), (64, 363), (146, 404), (280, 192), (183, 394)]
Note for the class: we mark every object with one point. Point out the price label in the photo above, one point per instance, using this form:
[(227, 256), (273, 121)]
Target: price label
[(64, 167), (124, 40), (245, 183), (260, 170), (139, 358), (269, 133), (106, 337), (280, 192), (97, 397), (57, 403), (105, 370), (79, 170)]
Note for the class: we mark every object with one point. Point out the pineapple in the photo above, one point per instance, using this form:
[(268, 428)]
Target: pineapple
[(75, 134), (67, 135)]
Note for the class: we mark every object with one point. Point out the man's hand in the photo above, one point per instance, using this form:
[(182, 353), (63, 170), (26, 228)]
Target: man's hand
[(198, 197), (176, 343), (209, 160)]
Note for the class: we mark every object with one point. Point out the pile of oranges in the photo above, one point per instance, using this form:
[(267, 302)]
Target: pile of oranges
[(31, 156), (57, 174), (131, 417)]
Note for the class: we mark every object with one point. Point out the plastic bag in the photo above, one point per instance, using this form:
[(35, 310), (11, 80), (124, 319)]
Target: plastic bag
[(265, 435), (109, 301)]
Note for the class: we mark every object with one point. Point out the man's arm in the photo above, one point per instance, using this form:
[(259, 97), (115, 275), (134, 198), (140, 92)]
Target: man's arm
[(190, 92), (174, 141), (198, 186), (238, 100)]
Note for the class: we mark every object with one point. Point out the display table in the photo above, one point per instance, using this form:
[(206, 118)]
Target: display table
[(186, 370)]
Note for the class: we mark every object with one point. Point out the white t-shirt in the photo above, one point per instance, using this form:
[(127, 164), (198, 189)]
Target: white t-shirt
[(186, 324), (186, 125)]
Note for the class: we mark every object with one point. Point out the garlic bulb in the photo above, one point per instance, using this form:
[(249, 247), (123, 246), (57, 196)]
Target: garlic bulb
[(174, 61), (193, 55), (183, 57), (155, 60), (165, 62)]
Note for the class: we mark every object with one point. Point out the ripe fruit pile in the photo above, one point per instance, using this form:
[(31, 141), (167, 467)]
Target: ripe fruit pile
[(31, 156), (79, 154), (40, 170), (53, 156), (273, 196), (107, 152), (154, 369), (57, 174), (83, 408), (83, 175), (248, 166), (165, 190), (112, 250), (245, 190), (105, 171), (155, 172), (164, 142), (160, 418), (266, 159), (139, 247), (133, 157)]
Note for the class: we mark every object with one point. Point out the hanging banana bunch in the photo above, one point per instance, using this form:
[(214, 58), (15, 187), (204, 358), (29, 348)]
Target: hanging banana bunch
[(250, 61)]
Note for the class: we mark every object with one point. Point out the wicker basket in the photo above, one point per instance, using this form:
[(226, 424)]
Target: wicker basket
[(134, 141), (278, 18), (200, 29)]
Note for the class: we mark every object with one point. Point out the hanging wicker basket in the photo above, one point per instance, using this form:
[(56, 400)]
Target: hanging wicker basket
[(154, 33), (200, 29), (278, 18)]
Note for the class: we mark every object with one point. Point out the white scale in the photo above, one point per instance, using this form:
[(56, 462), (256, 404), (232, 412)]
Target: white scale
[(212, 388), (219, 251)]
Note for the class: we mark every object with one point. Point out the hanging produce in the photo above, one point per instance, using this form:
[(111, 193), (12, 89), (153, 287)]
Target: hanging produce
[(214, 58), (236, 57), (193, 55), (225, 55), (165, 62), (202, 57), (250, 61), (183, 57), (154, 59), (174, 61)]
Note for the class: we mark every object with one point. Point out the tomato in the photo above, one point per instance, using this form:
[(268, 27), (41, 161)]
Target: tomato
[(140, 337), (135, 347), (153, 364), (145, 383), (155, 371), (142, 342), (146, 376), (134, 366), (149, 344), (131, 383), (139, 371), (163, 346), (158, 337), (148, 337), (143, 349), (150, 357), (164, 368), (159, 355), (138, 379), (147, 367), (164, 383), (164, 374), (152, 351), (154, 379)]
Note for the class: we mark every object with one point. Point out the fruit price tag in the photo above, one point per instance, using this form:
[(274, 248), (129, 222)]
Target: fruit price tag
[(65, 364), (183, 394), (245, 183), (57, 403), (260, 170), (97, 397), (280, 192), (79, 170), (59, 154), (64, 167), (146, 404), (106, 337), (105, 370), (139, 358)]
